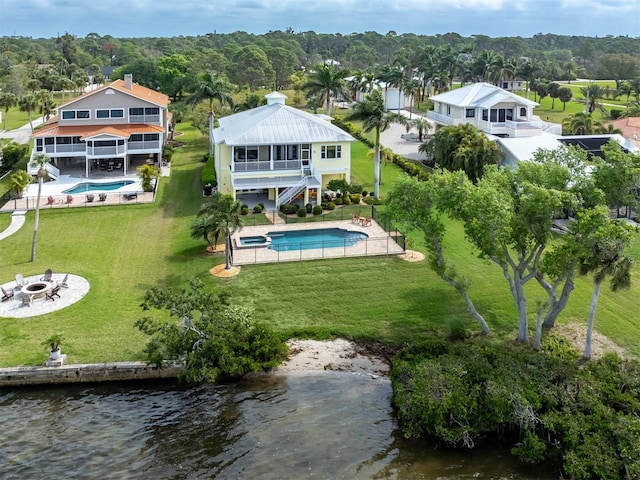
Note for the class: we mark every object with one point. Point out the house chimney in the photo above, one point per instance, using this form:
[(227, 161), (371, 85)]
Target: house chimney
[(128, 81)]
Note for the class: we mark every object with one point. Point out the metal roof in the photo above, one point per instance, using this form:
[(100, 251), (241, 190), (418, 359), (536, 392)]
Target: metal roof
[(276, 124), (482, 95)]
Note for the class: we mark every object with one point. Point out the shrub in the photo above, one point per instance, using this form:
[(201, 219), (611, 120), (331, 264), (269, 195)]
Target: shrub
[(372, 201), (209, 172), (257, 209), (614, 113), (309, 207), (365, 193), (12, 154), (331, 206), (455, 329), (326, 197), (355, 198), (167, 153), (302, 212), (323, 205), (339, 201), (346, 200), (244, 210), (261, 206), (317, 210), (355, 188), (339, 185)]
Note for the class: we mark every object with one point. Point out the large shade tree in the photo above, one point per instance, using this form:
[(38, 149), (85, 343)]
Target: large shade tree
[(462, 147), (325, 80)]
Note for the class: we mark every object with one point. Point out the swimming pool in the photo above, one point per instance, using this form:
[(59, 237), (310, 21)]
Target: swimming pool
[(98, 187), (286, 241)]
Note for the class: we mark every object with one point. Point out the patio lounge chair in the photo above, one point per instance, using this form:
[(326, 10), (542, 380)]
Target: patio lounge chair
[(63, 283), (20, 281), (52, 294), (51, 201), (90, 197), (102, 197), (6, 295), (355, 218), (69, 199), (47, 275)]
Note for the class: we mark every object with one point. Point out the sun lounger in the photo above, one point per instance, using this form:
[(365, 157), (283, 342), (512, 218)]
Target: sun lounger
[(20, 281), (102, 197), (51, 201), (69, 199), (63, 283)]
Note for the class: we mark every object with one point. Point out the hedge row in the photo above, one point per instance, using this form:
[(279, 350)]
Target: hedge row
[(209, 171), (409, 167)]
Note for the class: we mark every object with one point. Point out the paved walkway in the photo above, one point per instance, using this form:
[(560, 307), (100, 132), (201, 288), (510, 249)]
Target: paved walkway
[(22, 134), (17, 221)]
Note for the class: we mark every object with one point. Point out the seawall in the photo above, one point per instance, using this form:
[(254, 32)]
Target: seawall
[(83, 373)]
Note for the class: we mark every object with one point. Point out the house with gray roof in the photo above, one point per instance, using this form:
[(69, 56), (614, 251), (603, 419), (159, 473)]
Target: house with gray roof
[(280, 152), (489, 108)]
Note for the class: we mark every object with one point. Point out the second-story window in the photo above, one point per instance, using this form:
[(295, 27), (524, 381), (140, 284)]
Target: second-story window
[(75, 114), (110, 113), (331, 151)]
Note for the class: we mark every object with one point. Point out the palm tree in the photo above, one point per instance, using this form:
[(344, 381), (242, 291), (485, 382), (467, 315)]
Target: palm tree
[(625, 89), (220, 217), (423, 125), (604, 258), (592, 94), (46, 103), (580, 124), (7, 100), (28, 103), (211, 86), (326, 79), (39, 161), (564, 94), (371, 113)]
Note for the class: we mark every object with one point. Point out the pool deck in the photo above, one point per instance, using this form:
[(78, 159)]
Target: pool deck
[(378, 243)]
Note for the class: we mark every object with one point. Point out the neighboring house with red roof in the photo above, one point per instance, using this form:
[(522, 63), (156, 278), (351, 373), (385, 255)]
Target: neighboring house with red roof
[(112, 128), (630, 128)]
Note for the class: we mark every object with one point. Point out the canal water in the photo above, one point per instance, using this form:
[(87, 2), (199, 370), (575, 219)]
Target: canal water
[(321, 425)]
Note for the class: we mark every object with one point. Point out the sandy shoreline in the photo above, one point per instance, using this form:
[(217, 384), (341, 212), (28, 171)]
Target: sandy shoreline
[(309, 356)]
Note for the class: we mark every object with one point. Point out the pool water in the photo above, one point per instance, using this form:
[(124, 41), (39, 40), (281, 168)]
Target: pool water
[(98, 187), (286, 241)]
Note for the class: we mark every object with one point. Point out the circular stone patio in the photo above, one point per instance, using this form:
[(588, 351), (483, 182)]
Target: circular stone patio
[(77, 287)]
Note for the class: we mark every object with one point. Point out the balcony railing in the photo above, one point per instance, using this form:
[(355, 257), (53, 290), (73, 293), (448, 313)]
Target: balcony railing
[(144, 118), (97, 151), (67, 148), (265, 165), (149, 145), (438, 117), (523, 125)]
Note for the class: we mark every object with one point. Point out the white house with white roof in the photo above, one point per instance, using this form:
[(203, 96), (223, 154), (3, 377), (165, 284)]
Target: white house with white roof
[(489, 108), (279, 151)]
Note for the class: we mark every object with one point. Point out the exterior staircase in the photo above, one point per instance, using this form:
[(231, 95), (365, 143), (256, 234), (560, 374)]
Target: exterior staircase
[(51, 169), (292, 192)]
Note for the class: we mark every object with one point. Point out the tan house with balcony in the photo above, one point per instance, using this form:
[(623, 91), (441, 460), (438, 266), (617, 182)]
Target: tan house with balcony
[(489, 108), (113, 129), (280, 152)]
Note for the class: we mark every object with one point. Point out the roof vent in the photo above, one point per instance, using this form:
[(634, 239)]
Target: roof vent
[(275, 97)]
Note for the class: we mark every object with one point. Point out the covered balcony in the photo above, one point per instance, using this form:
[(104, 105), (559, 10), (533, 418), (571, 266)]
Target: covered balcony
[(270, 158)]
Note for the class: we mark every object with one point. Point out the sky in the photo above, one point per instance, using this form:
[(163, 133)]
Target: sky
[(168, 18)]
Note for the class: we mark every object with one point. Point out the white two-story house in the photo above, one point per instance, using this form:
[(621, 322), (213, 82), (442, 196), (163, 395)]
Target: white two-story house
[(279, 151), (112, 129), (489, 108)]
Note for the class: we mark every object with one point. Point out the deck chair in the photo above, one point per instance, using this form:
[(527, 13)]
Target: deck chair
[(52, 294), (26, 300), (47, 275), (102, 197), (69, 199), (355, 218), (51, 201), (63, 283), (6, 295), (20, 281)]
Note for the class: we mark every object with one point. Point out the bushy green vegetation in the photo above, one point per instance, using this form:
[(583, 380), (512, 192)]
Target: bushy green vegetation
[(543, 405)]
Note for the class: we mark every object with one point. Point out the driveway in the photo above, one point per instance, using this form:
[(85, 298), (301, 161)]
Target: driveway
[(22, 134), (397, 139)]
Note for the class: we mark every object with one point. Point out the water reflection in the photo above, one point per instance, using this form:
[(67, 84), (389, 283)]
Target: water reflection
[(322, 425)]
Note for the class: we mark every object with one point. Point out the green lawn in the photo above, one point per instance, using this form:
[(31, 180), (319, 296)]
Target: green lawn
[(15, 118), (123, 251)]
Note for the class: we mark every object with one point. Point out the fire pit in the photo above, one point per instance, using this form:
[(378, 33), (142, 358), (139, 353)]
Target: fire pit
[(37, 289)]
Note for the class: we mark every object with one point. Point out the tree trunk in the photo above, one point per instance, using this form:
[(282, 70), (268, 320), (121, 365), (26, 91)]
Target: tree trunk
[(328, 104), (592, 317), (227, 251), (521, 305), (37, 220), (211, 132), (558, 305), (376, 169)]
